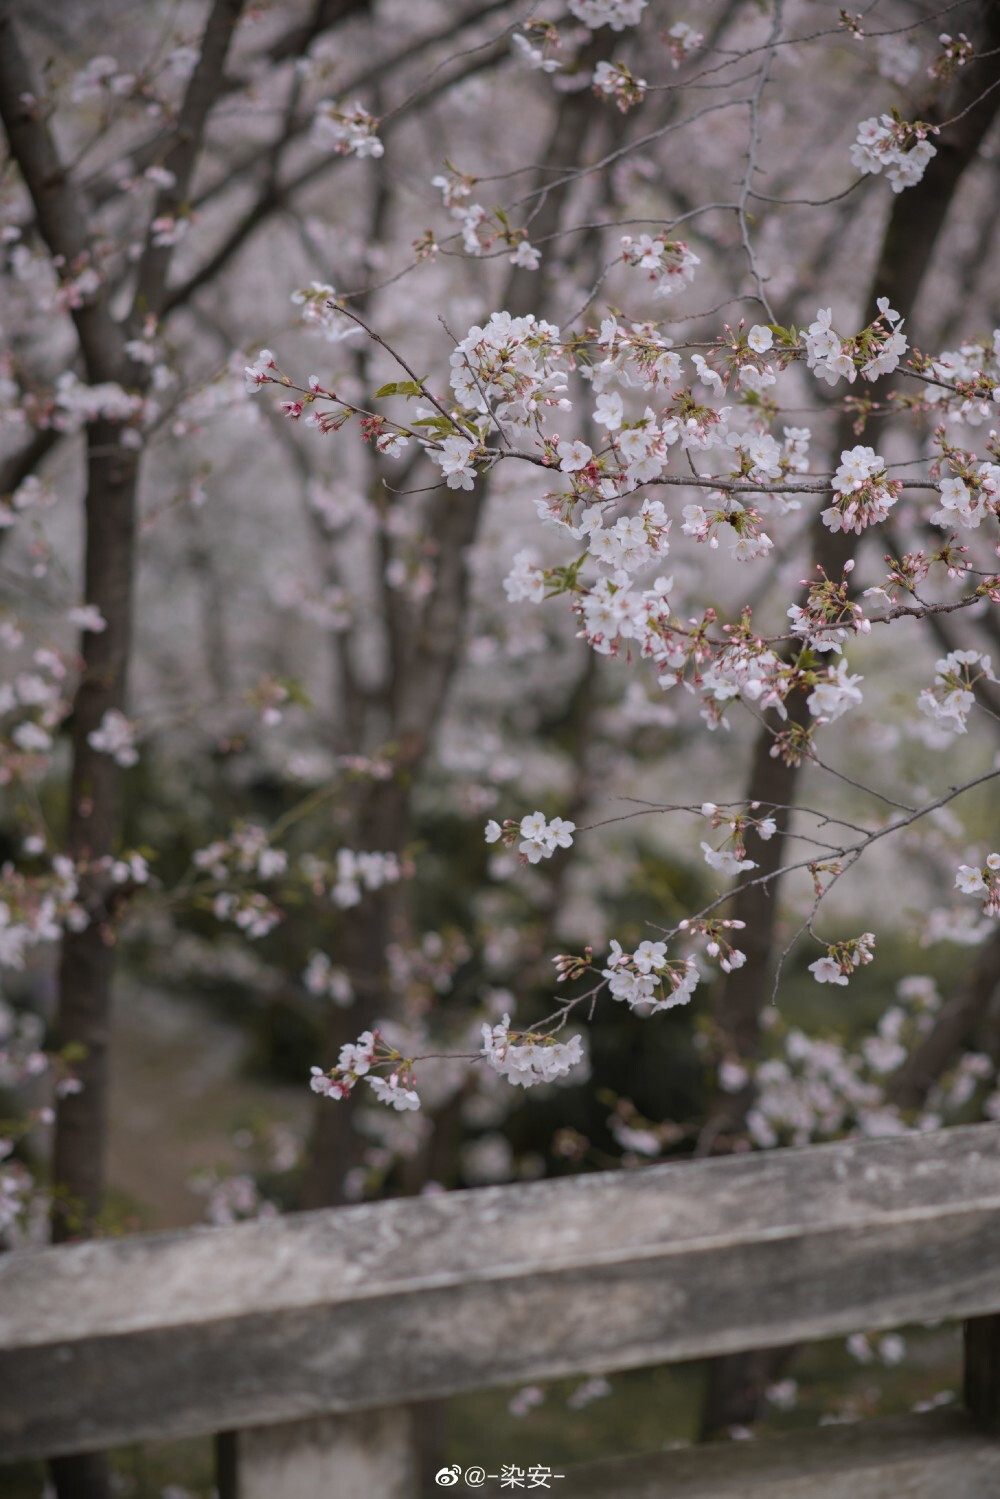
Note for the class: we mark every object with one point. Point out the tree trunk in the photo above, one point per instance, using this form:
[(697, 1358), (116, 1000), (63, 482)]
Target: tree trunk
[(95, 818)]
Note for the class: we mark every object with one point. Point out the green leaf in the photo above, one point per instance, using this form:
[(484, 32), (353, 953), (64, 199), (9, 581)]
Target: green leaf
[(435, 424), (400, 388)]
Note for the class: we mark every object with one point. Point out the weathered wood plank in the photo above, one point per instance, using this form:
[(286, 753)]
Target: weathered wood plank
[(376, 1305), (936, 1456)]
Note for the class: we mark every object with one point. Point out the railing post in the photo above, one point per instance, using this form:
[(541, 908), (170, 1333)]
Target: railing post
[(982, 1371), (225, 1463), (366, 1455)]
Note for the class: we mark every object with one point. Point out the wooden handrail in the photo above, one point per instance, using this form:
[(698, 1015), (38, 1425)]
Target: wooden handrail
[(316, 1313)]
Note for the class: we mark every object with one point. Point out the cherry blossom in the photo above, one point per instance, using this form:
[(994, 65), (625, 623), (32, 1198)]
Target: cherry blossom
[(889, 144), (526, 1060), (834, 693), (618, 14), (116, 737), (982, 880), (842, 958), (346, 129), (389, 1090), (952, 698), (669, 262), (683, 41)]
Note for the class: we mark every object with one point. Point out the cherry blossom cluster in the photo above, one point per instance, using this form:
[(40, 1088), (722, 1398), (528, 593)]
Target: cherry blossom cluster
[(617, 81), (813, 1092), (526, 1058), (21, 1046), (535, 45), (683, 41), (351, 873), (889, 144), (30, 494), (248, 910), (231, 1199), (35, 700), (955, 52), (101, 76), (653, 406), (633, 542), (819, 1089), (714, 931), (69, 404), (510, 369), (614, 13), (742, 524), (248, 854), (24, 1202), (906, 573), (482, 229), (102, 82), (742, 358), (260, 372), (346, 130), (326, 980), (828, 616), (670, 262), (269, 698), (635, 356), (952, 698), (37, 908), (843, 958), (956, 1087), (330, 607), (317, 303), (247, 850), (982, 880), (76, 403), (116, 737), (865, 493), (966, 386), (875, 351), (966, 501), (502, 361), (970, 492), (526, 580), (356, 1061), (731, 857), (535, 836), (648, 979), (131, 868)]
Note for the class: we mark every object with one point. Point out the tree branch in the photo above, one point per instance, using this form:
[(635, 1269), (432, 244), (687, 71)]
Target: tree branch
[(60, 207), (202, 92)]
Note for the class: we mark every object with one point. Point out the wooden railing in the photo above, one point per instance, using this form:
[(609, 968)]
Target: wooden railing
[(307, 1340)]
